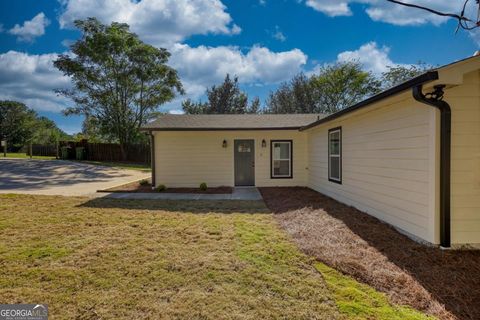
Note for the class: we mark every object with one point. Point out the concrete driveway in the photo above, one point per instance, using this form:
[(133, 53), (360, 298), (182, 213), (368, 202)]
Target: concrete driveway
[(58, 177)]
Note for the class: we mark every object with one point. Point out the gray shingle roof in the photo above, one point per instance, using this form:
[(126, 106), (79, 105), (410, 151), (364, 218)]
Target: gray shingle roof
[(231, 121)]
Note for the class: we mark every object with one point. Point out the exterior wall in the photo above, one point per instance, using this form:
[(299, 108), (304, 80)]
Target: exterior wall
[(389, 160), (187, 158), (465, 188)]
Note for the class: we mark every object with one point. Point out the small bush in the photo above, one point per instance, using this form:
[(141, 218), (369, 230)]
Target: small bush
[(203, 186), (144, 182), (160, 188)]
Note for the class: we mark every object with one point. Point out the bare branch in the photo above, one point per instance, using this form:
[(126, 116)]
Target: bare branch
[(452, 15), (463, 22)]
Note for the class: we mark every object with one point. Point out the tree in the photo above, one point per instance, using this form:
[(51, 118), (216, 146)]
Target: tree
[(117, 79), (16, 122), (341, 85), (226, 98), (47, 132), (21, 125), (398, 74), (295, 96), (333, 88)]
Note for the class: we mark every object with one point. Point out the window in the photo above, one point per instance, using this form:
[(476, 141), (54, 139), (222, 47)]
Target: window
[(335, 155), (281, 159)]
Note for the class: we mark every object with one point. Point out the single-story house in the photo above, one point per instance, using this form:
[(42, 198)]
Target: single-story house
[(409, 156)]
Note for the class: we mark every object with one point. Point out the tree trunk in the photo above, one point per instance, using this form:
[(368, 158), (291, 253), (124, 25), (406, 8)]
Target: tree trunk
[(124, 151)]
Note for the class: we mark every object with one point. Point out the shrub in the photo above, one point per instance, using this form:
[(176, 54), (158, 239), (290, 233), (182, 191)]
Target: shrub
[(203, 186), (144, 182), (160, 188)]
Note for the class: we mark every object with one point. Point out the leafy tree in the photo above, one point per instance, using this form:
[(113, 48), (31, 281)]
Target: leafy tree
[(118, 80), (47, 132), (16, 123), (341, 85), (398, 74), (191, 107), (21, 125), (333, 88), (254, 106), (226, 98), (296, 96), (92, 131)]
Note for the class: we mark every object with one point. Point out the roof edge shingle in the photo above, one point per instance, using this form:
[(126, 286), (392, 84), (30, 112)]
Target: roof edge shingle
[(224, 122)]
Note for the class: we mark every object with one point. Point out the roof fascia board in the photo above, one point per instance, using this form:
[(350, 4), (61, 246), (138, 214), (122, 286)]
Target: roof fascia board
[(219, 129)]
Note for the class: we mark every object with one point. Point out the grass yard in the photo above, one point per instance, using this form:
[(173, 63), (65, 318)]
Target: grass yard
[(101, 258), (25, 156)]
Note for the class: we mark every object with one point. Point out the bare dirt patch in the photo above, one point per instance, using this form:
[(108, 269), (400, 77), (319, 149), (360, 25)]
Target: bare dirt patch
[(441, 283), (137, 187)]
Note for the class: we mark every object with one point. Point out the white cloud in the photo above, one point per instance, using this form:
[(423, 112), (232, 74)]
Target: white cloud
[(201, 67), (475, 36), (31, 79), (381, 10), (331, 8), (176, 111), (168, 22), (31, 29), (159, 22), (278, 34), (208, 65), (372, 57), (67, 42)]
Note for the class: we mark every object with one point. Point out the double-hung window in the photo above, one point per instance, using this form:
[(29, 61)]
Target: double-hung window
[(335, 155), (281, 159)]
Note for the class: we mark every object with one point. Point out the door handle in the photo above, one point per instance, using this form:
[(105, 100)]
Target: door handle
[(253, 164)]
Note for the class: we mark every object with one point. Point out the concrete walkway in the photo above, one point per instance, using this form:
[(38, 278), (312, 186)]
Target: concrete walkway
[(242, 193)]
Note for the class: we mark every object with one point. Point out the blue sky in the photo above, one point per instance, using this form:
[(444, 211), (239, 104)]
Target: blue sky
[(264, 42)]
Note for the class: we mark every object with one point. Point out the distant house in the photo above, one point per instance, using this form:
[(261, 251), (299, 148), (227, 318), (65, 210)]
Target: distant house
[(409, 156)]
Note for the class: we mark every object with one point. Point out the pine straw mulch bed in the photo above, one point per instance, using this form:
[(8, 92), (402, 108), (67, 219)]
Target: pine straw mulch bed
[(445, 284), (136, 187)]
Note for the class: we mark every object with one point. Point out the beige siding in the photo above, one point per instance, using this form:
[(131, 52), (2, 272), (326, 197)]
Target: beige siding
[(187, 158), (465, 103), (388, 160)]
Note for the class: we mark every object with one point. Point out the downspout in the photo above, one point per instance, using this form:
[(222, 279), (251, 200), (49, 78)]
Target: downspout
[(152, 158), (435, 99)]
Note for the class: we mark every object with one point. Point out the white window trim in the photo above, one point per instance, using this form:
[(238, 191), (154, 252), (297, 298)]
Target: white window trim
[(339, 155), (289, 159)]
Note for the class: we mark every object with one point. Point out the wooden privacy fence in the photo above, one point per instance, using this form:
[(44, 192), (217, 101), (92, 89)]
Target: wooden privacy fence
[(137, 153), (47, 150)]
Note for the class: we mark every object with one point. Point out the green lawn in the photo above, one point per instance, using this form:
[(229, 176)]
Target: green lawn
[(24, 156), (101, 258), (361, 302)]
